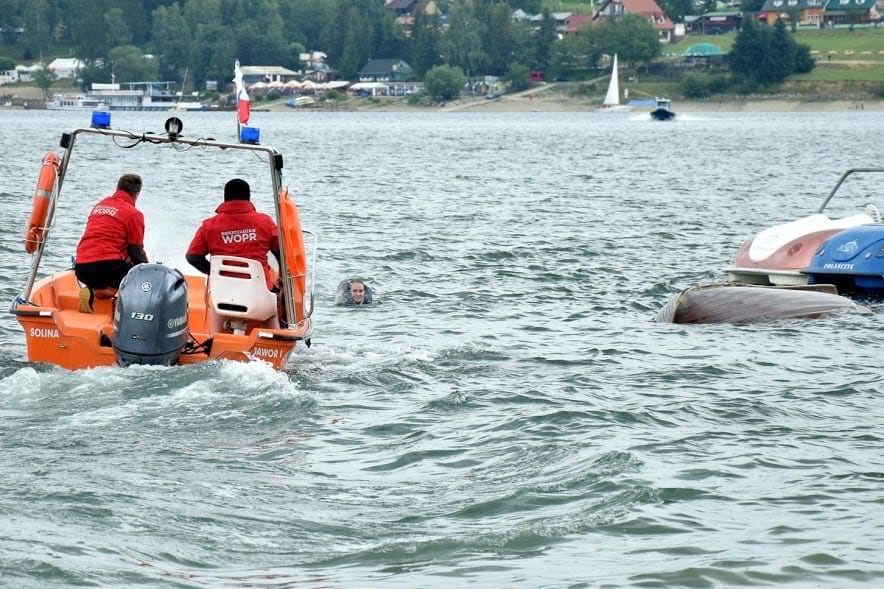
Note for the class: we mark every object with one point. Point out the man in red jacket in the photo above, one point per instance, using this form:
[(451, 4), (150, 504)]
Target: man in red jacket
[(237, 229), (113, 240)]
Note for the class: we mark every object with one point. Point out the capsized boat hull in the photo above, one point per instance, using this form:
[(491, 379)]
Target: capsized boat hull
[(726, 303), (57, 332)]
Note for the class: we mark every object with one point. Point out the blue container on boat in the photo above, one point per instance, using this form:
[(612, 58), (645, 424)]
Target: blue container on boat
[(852, 260), (101, 119), (250, 135)]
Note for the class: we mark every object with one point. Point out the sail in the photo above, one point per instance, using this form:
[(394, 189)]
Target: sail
[(612, 98)]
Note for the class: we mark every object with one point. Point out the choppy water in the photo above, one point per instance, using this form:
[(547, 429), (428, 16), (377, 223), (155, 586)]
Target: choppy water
[(509, 416)]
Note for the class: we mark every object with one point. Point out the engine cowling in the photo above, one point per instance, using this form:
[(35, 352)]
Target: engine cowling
[(150, 317)]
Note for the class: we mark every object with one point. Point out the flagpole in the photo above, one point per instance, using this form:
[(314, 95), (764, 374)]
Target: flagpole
[(237, 80)]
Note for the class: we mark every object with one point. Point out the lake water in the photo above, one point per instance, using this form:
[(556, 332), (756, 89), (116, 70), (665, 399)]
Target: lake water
[(509, 415)]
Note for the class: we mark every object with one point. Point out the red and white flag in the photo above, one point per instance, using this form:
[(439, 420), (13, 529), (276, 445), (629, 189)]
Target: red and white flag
[(242, 97)]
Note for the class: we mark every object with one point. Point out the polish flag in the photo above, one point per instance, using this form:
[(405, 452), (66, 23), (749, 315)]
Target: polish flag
[(242, 97)]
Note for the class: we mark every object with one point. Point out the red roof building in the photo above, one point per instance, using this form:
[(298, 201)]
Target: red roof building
[(647, 8)]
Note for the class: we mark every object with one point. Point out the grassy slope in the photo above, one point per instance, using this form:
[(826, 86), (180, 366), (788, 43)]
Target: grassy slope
[(841, 55)]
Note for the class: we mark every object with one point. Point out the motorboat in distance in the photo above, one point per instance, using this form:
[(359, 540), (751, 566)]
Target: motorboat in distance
[(663, 110)]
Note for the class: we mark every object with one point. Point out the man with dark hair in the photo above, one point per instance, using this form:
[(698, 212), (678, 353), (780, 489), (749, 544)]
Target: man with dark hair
[(113, 240), (237, 229)]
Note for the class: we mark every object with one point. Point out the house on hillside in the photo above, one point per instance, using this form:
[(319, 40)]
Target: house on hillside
[(407, 10), (386, 70), (851, 12), (646, 8), (713, 23), (252, 74), (65, 67), (315, 67), (802, 12), (575, 23)]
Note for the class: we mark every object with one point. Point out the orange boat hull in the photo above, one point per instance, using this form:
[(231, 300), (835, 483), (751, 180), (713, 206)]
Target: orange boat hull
[(58, 333)]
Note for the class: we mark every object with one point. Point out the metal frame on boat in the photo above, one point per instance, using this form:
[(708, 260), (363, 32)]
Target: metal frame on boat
[(59, 332)]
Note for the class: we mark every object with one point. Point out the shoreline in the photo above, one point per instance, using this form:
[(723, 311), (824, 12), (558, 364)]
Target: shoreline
[(539, 99), (516, 105)]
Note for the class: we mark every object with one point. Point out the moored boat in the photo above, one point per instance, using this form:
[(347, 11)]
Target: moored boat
[(779, 254), (78, 102), (160, 315), (852, 260)]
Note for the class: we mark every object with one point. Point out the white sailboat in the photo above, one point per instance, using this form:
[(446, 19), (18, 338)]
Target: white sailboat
[(612, 98)]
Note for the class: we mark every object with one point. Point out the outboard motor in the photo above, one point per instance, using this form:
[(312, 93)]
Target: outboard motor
[(150, 319), (852, 260)]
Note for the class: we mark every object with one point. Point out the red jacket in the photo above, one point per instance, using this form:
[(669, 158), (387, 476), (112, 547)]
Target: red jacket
[(237, 230), (112, 226)]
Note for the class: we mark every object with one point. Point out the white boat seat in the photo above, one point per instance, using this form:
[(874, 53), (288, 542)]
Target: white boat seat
[(237, 289)]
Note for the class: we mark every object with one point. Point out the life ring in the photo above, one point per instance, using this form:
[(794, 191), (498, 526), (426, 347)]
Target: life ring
[(295, 253), (45, 186)]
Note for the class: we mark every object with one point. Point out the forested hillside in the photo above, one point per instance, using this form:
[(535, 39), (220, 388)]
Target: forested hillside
[(149, 39)]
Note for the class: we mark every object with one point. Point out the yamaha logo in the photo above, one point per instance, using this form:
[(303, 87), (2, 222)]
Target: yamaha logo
[(145, 286)]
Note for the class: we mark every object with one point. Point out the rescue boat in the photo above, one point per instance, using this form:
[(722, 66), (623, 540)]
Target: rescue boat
[(160, 315)]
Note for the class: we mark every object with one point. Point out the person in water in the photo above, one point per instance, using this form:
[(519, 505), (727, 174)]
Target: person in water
[(237, 229), (357, 292), (354, 291), (113, 241)]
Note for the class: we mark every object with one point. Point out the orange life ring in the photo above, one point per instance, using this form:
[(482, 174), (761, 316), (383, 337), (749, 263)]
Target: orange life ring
[(45, 186), (295, 253)]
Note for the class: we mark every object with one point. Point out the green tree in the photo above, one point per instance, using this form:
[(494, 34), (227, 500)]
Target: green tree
[(6, 63), (171, 41), (499, 40), (462, 43), (444, 82), (424, 45), (779, 56), (573, 56), (747, 50), (10, 20), (766, 55), (631, 37), (44, 78), (89, 32), (130, 65), (677, 9), (38, 31), (546, 38), (519, 77), (117, 29)]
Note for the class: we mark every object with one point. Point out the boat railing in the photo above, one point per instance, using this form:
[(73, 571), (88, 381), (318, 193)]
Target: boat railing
[(841, 181), (308, 296), (67, 142)]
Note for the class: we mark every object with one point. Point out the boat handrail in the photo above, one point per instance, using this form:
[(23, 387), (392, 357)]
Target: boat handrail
[(315, 245), (159, 138), (841, 181), (67, 142)]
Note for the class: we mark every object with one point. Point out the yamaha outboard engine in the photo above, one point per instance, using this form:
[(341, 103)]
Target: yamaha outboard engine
[(150, 319)]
